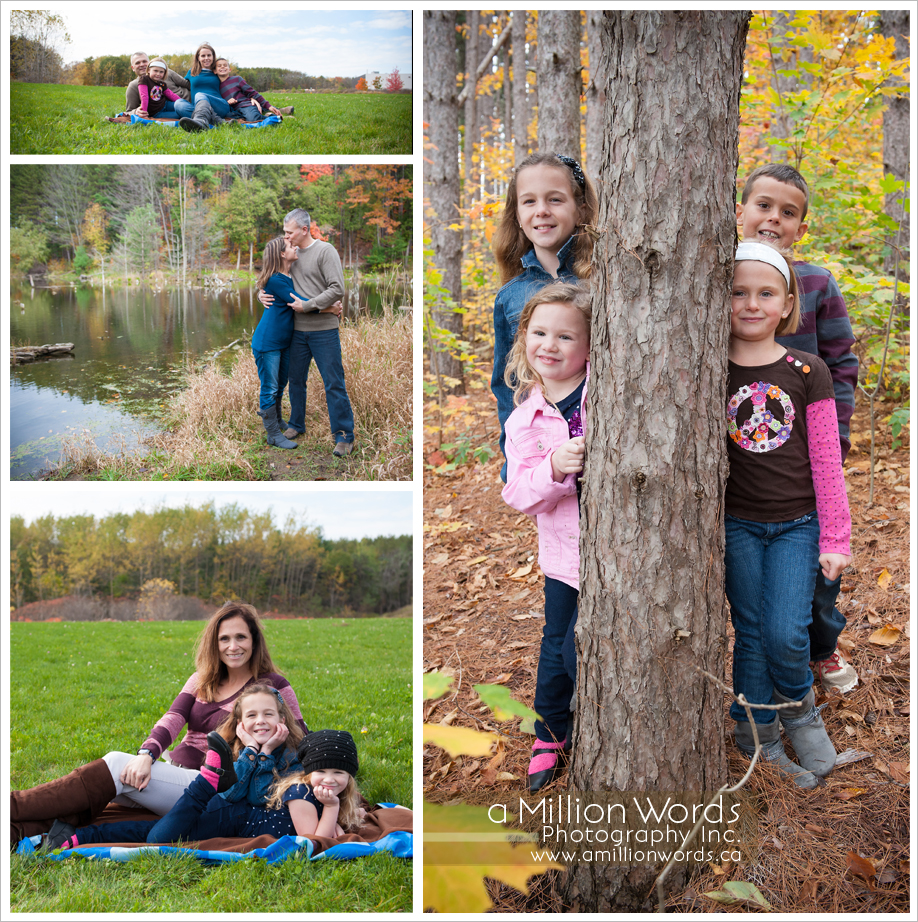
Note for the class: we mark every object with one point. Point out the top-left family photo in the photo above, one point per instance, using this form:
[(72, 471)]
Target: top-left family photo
[(166, 78)]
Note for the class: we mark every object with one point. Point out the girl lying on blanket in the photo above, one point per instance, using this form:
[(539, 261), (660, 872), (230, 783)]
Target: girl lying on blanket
[(318, 798)]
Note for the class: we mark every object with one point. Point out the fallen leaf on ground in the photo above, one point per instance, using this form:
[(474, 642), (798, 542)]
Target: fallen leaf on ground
[(808, 891), (884, 579), (460, 740), (521, 572), (886, 636), (898, 771), (850, 793), (817, 830), (735, 891), (861, 867)]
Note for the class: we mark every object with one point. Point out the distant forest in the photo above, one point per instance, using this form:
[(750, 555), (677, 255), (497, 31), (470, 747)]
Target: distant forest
[(210, 554)]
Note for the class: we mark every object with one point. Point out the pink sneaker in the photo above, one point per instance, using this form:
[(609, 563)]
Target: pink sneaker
[(834, 673)]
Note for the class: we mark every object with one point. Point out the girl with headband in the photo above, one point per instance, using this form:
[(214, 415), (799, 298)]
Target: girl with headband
[(786, 508)]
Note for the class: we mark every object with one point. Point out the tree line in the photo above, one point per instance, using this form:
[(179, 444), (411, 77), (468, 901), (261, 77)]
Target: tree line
[(211, 554), (136, 218)]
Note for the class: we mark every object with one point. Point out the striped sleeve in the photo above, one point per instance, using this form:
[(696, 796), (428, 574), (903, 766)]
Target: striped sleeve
[(168, 727)]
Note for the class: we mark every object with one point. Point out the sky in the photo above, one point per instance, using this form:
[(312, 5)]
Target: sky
[(331, 42), (339, 513)]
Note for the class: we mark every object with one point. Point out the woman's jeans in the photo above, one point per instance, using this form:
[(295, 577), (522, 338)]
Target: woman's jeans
[(198, 814), (166, 785), (325, 347), (557, 672), (273, 368), (770, 578)]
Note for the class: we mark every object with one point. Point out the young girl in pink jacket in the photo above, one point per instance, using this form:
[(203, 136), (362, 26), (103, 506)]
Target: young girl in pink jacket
[(547, 369)]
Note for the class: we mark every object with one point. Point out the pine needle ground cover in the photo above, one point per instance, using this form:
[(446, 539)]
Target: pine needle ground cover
[(61, 119), (80, 690)]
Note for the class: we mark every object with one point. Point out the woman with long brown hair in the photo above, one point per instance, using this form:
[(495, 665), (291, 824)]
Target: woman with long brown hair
[(231, 654), (207, 106)]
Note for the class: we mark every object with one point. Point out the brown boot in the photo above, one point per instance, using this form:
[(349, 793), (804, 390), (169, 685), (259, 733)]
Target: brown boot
[(86, 790), (285, 110)]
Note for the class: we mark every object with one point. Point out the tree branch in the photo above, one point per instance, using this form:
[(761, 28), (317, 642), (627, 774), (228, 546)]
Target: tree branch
[(501, 41)]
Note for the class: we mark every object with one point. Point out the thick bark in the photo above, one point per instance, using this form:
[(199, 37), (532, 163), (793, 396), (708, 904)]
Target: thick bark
[(441, 169), (595, 95), (520, 103), (559, 82), (652, 607), (471, 117), (897, 138)]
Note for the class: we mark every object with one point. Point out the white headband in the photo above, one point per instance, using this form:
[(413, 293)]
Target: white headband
[(159, 63), (762, 253)]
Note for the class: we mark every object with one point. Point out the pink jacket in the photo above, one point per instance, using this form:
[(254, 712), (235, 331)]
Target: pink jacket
[(534, 430)]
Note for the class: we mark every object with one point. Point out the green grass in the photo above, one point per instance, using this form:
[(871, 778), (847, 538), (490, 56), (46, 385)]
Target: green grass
[(80, 690), (52, 119)]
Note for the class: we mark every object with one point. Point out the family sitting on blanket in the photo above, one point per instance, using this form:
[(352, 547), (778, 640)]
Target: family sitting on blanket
[(203, 98), (274, 788)]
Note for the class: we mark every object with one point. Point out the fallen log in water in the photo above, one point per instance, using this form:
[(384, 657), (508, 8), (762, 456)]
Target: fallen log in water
[(20, 354)]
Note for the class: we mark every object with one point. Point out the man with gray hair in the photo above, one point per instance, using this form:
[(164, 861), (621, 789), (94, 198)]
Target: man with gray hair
[(317, 275), (140, 63)]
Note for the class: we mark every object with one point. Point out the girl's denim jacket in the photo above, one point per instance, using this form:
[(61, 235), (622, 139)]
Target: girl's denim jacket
[(535, 429), (255, 774), (508, 305)]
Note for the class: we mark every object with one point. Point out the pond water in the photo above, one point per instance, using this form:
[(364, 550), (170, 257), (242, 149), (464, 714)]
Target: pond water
[(131, 346)]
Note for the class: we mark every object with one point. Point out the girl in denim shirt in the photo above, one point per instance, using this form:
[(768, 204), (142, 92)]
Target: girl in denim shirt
[(540, 238)]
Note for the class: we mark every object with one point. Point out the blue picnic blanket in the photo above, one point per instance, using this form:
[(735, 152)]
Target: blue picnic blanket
[(400, 844)]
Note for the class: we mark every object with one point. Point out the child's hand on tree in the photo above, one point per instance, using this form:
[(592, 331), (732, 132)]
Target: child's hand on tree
[(568, 459), (832, 565), (276, 740), (247, 738)]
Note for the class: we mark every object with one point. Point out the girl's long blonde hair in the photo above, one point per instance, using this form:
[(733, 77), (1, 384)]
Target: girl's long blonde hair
[(350, 799), (511, 244), (272, 261), (227, 729), (211, 669), (519, 375)]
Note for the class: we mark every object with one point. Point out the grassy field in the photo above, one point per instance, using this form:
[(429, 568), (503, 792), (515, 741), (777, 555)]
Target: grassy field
[(70, 680), (51, 119)]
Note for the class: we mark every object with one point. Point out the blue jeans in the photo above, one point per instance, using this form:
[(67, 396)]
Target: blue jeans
[(828, 621), (557, 670), (325, 347), (198, 814), (273, 370), (770, 578), (249, 111)]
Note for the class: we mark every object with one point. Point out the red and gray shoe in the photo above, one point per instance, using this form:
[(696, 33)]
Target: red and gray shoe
[(834, 673)]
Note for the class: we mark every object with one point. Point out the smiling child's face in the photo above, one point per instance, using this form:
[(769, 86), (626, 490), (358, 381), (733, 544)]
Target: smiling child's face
[(157, 73), (222, 68), (260, 716)]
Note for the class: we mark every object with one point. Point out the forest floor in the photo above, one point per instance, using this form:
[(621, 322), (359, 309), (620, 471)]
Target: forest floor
[(843, 847)]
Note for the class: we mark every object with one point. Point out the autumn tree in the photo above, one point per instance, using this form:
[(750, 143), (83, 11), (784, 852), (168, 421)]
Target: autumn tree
[(247, 207), (441, 180), (394, 81), (95, 234), (361, 85), (652, 609), (34, 37)]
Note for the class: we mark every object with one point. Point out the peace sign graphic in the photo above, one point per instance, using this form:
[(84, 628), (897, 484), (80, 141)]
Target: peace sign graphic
[(762, 431)]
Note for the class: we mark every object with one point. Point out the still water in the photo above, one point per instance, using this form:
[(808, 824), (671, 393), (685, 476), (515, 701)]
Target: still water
[(131, 346)]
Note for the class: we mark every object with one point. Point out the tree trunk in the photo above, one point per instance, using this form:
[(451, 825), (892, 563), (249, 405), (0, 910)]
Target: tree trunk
[(652, 606), (471, 115), (559, 82), (595, 95), (520, 104), (441, 174), (786, 57), (897, 139)]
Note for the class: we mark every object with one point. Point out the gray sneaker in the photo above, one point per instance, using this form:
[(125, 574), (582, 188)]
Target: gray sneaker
[(343, 449), (834, 673)]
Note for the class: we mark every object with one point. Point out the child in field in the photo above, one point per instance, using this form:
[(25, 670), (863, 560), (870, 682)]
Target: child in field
[(272, 337), (786, 511), (154, 94), (243, 98), (547, 369), (318, 798), (540, 238), (773, 209)]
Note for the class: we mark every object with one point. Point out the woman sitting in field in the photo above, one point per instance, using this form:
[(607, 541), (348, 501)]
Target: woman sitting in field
[(232, 654)]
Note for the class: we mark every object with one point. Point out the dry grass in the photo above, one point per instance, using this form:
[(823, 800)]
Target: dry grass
[(213, 423)]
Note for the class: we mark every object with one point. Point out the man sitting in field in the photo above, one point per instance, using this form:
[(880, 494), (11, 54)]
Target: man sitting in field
[(140, 62)]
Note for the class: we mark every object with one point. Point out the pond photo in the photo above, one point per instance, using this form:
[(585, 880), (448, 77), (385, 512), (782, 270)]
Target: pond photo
[(141, 347)]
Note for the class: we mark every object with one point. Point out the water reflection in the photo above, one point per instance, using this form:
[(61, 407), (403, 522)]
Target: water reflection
[(130, 348)]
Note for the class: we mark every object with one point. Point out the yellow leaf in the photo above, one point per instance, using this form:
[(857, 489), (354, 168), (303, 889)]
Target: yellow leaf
[(462, 846), (884, 579), (478, 560), (521, 572), (460, 740), (886, 636)]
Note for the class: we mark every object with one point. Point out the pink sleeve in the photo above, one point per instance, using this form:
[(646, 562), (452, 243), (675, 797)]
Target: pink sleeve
[(170, 95), (144, 95), (828, 478)]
